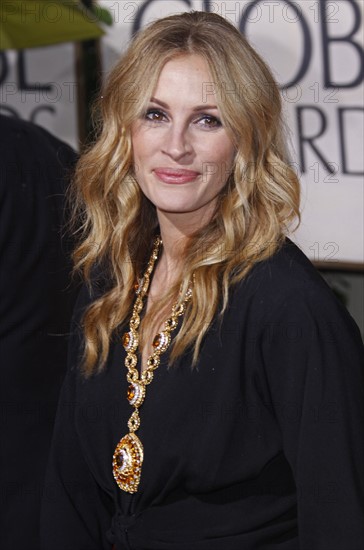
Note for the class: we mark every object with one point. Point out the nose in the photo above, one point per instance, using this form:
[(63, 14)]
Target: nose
[(177, 144)]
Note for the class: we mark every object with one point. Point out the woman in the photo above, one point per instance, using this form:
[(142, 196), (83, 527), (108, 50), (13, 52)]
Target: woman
[(238, 425)]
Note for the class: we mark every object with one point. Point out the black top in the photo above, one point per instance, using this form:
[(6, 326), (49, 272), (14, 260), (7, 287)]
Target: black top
[(36, 303), (260, 447)]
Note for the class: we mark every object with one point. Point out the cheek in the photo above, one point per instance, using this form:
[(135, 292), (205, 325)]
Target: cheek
[(140, 160), (217, 162), (139, 142), (223, 162), (219, 151), (144, 150), (137, 148)]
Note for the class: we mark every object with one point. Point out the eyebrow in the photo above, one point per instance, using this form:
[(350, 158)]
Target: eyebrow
[(197, 108)]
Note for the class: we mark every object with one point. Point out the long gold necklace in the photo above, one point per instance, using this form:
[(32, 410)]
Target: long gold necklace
[(129, 453)]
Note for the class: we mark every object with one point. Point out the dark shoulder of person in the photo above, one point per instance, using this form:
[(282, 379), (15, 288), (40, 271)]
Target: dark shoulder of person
[(34, 142), (35, 171), (288, 280)]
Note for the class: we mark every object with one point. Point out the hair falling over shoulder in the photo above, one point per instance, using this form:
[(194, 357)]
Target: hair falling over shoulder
[(116, 223)]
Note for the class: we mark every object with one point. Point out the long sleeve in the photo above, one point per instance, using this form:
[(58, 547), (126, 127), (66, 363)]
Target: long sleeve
[(314, 363), (76, 511)]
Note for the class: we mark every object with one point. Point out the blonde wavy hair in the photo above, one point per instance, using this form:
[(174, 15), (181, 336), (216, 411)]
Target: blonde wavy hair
[(257, 205)]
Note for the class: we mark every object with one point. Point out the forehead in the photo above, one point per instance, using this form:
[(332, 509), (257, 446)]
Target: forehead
[(184, 78)]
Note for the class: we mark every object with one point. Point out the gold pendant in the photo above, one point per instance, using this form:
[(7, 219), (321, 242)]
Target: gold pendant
[(127, 462), (129, 453)]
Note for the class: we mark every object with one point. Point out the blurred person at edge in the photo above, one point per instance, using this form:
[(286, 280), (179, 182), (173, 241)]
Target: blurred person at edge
[(216, 382), (36, 302)]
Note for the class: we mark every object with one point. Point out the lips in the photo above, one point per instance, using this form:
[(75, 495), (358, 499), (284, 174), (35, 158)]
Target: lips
[(175, 175)]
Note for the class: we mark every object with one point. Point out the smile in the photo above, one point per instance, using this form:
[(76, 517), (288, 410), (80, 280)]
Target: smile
[(173, 175)]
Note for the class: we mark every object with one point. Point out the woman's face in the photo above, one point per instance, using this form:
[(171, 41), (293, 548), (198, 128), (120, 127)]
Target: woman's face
[(182, 153)]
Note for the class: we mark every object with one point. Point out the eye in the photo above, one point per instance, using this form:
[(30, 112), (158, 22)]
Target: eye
[(155, 115), (208, 121)]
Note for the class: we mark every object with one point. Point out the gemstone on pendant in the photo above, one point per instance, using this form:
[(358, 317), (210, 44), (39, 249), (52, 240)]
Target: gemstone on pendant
[(126, 339), (120, 461), (157, 341), (127, 462), (129, 340), (123, 461), (131, 392), (161, 341), (136, 394)]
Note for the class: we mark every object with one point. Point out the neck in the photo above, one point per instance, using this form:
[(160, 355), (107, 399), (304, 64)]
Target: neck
[(176, 228), (170, 263), (174, 237)]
